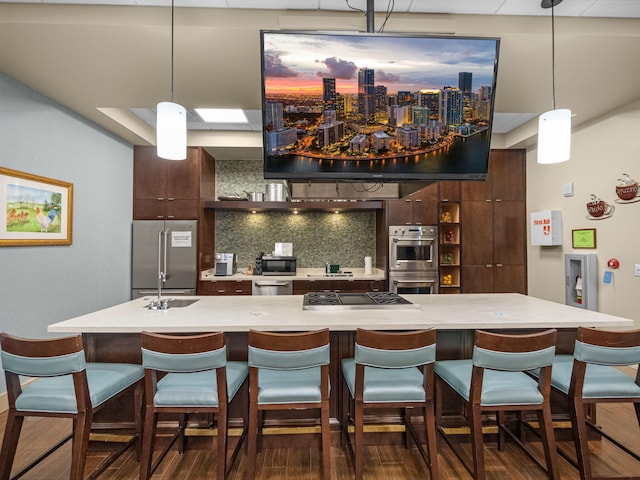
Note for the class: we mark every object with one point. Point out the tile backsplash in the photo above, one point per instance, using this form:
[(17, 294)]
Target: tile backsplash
[(317, 237)]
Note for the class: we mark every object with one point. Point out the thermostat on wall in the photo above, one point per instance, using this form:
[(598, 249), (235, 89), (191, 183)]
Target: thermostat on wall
[(567, 189)]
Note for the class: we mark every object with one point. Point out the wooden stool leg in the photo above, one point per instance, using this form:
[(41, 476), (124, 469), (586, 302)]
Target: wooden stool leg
[(252, 440), (549, 442), (326, 441), (80, 444), (358, 444), (221, 443), (10, 443), (148, 440), (477, 444), (432, 445), (581, 439)]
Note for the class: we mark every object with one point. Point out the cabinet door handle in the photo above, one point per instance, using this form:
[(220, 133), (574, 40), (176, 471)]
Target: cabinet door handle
[(487, 199), (408, 200), (497, 200), (159, 216), (171, 199), (418, 200), (171, 216), (160, 199), (488, 265), (498, 264)]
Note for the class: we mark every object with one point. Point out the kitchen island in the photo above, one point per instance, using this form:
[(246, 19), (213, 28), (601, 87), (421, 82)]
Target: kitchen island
[(284, 313), (113, 334)]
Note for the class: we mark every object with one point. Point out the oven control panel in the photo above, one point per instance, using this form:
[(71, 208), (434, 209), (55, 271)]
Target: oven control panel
[(413, 231)]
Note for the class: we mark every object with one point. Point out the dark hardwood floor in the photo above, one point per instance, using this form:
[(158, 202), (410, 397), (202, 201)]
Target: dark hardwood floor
[(300, 462)]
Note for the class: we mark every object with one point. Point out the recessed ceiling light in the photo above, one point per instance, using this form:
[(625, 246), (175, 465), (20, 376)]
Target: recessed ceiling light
[(222, 115)]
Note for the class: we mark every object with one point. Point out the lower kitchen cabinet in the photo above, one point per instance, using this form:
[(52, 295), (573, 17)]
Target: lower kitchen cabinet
[(300, 287), (225, 287)]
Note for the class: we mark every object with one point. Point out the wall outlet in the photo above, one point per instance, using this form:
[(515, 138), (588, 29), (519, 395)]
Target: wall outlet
[(637, 269)]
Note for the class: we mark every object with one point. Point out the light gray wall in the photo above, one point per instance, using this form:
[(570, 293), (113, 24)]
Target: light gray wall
[(40, 285)]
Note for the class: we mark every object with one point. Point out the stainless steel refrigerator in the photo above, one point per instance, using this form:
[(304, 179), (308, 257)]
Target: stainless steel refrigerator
[(164, 255)]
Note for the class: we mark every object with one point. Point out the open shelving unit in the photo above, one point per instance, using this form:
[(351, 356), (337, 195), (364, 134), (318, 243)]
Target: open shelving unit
[(449, 246)]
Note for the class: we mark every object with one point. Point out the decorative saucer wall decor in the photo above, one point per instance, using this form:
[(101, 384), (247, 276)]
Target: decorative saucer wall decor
[(627, 190)]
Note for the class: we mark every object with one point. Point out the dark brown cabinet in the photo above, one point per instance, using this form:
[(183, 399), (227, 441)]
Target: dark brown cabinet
[(168, 189), (418, 208), (493, 215), (300, 287), (225, 287)]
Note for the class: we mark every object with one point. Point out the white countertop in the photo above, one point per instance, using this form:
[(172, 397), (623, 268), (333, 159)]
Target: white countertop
[(301, 274), (284, 313)]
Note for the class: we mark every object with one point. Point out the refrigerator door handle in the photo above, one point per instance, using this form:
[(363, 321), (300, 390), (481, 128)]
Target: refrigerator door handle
[(165, 235)]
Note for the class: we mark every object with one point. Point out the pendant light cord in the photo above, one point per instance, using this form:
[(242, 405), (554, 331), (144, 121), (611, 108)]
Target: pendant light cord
[(172, 22), (553, 57)]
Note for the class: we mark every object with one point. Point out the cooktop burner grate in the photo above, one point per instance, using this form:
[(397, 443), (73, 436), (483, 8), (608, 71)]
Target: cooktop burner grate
[(354, 301)]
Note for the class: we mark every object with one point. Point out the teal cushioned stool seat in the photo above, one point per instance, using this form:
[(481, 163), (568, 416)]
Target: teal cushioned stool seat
[(189, 374), (56, 394), (498, 387), (198, 388), (66, 386), (390, 370), (600, 381), (288, 371), (402, 385), (495, 380), (289, 386)]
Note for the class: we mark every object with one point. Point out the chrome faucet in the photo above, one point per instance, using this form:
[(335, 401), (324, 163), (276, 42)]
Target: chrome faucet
[(159, 303)]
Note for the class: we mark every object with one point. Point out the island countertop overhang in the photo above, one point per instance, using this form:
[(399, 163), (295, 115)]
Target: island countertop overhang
[(284, 313)]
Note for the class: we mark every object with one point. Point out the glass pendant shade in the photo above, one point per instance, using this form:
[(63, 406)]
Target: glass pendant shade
[(171, 131), (554, 136)]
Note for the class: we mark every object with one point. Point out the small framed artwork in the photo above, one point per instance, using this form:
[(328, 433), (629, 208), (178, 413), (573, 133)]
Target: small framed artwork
[(583, 238), (34, 210)]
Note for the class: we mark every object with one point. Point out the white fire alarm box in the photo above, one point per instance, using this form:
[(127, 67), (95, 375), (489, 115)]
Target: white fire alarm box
[(546, 228)]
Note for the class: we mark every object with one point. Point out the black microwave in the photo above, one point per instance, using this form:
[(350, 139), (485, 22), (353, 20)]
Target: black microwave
[(275, 265)]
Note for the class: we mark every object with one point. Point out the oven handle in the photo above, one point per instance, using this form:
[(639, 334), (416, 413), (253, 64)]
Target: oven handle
[(418, 241)]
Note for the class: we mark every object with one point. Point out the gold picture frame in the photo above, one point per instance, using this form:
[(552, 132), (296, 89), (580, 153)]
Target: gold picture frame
[(34, 210), (583, 238)]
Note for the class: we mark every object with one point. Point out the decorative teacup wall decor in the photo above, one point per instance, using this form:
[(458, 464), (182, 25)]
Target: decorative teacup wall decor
[(599, 209), (627, 190)]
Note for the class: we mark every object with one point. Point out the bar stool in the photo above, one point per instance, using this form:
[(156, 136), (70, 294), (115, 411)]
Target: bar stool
[(590, 377), (495, 380), (392, 370), (65, 386), (188, 374), (288, 371)]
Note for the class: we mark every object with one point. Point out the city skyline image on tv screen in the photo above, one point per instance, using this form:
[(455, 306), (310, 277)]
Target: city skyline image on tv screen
[(377, 107)]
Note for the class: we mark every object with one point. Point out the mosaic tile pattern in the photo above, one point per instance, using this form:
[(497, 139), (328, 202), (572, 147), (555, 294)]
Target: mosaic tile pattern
[(234, 177), (317, 237)]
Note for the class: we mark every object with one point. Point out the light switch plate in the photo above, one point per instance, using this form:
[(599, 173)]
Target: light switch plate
[(567, 189), (637, 269)]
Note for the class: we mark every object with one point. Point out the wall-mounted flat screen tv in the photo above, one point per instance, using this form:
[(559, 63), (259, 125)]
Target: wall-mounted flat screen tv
[(377, 107)]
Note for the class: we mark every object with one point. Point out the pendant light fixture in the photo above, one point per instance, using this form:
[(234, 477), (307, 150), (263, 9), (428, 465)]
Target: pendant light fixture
[(171, 120), (554, 126)]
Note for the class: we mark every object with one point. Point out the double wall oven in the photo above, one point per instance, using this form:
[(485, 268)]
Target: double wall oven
[(413, 259)]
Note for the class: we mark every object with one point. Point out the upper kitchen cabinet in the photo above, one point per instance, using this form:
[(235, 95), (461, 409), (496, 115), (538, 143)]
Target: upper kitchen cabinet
[(418, 208), (494, 235), (171, 189), (506, 179)]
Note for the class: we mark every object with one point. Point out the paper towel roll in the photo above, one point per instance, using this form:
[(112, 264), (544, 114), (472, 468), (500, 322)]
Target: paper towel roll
[(367, 266)]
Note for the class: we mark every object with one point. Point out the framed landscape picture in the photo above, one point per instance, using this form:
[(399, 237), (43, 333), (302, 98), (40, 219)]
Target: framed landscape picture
[(34, 210)]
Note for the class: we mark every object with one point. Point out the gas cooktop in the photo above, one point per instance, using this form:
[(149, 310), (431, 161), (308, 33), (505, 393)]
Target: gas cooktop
[(355, 301)]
